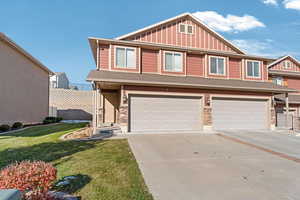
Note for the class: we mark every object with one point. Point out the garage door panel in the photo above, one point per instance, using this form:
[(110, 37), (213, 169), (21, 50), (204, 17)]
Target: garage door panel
[(165, 113), (239, 114)]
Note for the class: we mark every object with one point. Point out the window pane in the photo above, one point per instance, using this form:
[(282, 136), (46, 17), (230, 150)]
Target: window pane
[(213, 65), (168, 61), (120, 57), (130, 58), (177, 62), (249, 69), (256, 69), (182, 28), (221, 66), (190, 29)]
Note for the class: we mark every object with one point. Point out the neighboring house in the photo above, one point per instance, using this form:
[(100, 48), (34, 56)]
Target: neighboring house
[(285, 71), (59, 80), (180, 75), (24, 85)]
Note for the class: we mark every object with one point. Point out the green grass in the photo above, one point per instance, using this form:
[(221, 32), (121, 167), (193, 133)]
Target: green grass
[(106, 169)]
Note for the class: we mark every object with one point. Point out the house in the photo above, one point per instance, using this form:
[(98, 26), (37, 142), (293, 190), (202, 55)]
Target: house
[(285, 71), (24, 85), (180, 75), (59, 80)]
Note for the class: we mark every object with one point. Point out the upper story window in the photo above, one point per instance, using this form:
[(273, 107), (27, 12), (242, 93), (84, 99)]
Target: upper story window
[(186, 28), (125, 57), (287, 64), (217, 65), (173, 62), (253, 69), (278, 80)]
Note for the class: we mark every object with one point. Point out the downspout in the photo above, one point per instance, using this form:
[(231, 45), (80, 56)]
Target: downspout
[(287, 109), (97, 57)]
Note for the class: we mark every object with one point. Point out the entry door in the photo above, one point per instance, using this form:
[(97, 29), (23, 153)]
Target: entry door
[(165, 113), (110, 107), (239, 113)]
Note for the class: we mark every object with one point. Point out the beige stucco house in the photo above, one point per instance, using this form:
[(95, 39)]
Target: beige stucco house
[(24, 85)]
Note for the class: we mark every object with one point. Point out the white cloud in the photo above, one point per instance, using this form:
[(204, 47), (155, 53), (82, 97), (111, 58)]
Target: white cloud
[(292, 4), (270, 2), (230, 23), (262, 48)]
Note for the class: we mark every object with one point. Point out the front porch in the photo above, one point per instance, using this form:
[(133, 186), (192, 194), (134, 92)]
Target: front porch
[(110, 107)]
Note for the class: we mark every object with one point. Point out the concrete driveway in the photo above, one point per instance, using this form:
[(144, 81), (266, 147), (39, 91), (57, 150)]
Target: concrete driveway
[(276, 141), (210, 167)]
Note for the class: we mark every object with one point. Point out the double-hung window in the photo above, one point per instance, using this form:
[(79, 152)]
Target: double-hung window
[(125, 57), (173, 62), (278, 80), (217, 65), (253, 69)]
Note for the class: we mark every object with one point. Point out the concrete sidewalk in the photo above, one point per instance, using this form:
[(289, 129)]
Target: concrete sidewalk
[(209, 167)]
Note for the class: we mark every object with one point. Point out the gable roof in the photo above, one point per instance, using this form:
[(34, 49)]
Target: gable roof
[(20, 50), (122, 37), (282, 59)]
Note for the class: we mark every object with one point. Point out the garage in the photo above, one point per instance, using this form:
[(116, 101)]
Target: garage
[(151, 113), (228, 113)]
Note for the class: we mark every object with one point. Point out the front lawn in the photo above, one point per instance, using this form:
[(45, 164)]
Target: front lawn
[(107, 169)]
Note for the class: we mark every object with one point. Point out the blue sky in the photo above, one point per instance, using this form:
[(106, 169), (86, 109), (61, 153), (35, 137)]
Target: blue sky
[(56, 31)]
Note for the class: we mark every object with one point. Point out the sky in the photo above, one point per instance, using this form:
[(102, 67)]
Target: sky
[(56, 31)]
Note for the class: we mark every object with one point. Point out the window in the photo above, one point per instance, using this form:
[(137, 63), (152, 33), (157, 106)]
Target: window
[(253, 69), (182, 28), (125, 57), (287, 64), (278, 80), (217, 65), (173, 62), (186, 28)]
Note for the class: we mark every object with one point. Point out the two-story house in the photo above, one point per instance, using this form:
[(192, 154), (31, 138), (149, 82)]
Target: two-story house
[(285, 71), (180, 75)]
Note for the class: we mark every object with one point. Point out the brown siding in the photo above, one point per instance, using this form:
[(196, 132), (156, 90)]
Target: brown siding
[(24, 88), (103, 56), (149, 60), (293, 83), (280, 66), (195, 65), (235, 68), (191, 90), (169, 34)]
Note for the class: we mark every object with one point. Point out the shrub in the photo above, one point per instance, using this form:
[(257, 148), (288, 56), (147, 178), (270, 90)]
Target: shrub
[(49, 120), (32, 178), (4, 127), (17, 125), (46, 121), (59, 119)]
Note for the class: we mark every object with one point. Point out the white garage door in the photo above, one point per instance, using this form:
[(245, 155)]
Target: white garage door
[(164, 113), (239, 114)]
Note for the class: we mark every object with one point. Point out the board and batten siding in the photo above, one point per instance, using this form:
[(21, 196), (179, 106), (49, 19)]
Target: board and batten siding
[(169, 34), (280, 66)]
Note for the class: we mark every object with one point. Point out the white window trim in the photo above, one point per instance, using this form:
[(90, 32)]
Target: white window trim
[(186, 28), (285, 64), (209, 66), (115, 57), (164, 61), (259, 69), (279, 77)]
